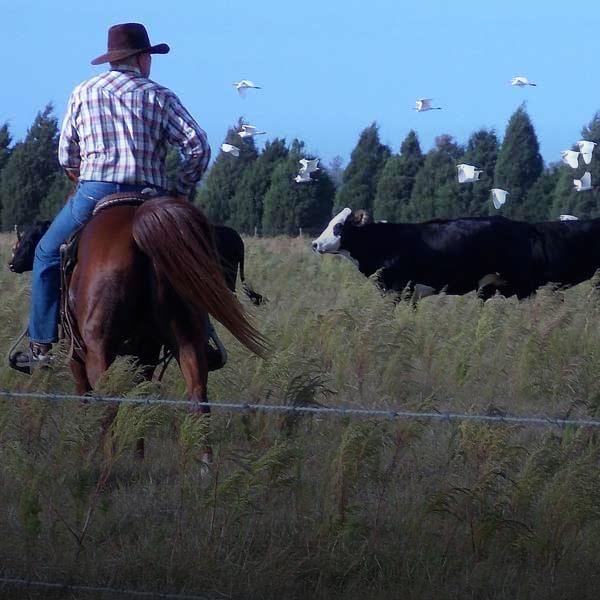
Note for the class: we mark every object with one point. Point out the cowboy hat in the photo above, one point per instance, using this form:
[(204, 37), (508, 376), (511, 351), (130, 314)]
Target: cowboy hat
[(128, 39)]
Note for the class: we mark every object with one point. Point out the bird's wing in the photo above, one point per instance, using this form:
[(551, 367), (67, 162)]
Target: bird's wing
[(586, 180), (304, 163)]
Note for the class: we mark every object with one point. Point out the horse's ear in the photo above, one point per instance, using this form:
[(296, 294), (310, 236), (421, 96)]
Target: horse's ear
[(359, 218)]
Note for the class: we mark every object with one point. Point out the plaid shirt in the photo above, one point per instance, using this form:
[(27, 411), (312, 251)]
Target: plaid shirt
[(117, 129)]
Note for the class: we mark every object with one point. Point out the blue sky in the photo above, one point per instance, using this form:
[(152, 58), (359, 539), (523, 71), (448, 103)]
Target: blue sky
[(328, 72)]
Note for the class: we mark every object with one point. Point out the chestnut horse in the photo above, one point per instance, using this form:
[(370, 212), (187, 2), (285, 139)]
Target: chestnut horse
[(147, 276)]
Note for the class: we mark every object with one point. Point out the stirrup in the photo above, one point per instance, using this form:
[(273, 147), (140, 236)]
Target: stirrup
[(26, 361)]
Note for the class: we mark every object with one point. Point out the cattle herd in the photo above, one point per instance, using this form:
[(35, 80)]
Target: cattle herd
[(456, 256), (487, 254)]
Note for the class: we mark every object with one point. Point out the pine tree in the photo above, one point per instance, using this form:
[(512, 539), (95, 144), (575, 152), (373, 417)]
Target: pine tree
[(336, 171), (290, 206), (223, 178), (30, 171), (397, 180), (482, 152), (519, 162), (538, 204), (362, 173), (5, 140), (435, 193), (58, 192), (566, 199), (247, 204)]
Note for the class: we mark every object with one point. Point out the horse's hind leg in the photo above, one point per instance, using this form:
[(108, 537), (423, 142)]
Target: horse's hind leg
[(82, 384), (191, 356)]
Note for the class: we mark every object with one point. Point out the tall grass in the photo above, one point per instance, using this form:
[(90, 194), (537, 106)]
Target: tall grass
[(314, 507)]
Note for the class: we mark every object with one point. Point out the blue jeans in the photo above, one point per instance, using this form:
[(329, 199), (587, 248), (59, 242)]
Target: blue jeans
[(45, 284)]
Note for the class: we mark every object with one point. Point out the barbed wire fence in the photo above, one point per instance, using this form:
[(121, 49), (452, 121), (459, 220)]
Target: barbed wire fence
[(247, 407), (111, 592), (323, 411)]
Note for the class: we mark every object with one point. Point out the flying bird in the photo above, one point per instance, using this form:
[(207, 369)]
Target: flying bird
[(249, 131), (571, 158), (302, 177), (586, 148), (424, 104), (244, 85), (568, 218), (468, 173), (521, 81), (229, 149), (309, 166), (499, 197), (583, 184)]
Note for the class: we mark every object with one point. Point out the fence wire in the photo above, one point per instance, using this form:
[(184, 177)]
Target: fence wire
[(26, 583), (323, 411)]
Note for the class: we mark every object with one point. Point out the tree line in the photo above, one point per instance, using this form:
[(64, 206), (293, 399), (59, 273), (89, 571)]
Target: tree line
[(256, 192)]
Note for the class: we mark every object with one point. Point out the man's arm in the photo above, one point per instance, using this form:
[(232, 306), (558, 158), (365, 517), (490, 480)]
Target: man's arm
[(187, 135), (69, 155)]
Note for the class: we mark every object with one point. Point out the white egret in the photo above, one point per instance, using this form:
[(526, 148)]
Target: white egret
[(424, 104), (468, 173), (245, 84), (303, 177), (568, 218), (586, 148), (583, 184), (229, 149), (571, 158), (309, 166), (499, 197), (521, 81), (249, 131)]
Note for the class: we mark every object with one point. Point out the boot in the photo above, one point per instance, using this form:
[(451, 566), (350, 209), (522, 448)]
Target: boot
[(38, 355)]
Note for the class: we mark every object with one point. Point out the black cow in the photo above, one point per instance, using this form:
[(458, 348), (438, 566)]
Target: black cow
[(462, 255), (230, 247)]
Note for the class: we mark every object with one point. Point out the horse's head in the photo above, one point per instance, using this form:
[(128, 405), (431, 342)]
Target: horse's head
[(24, 247)]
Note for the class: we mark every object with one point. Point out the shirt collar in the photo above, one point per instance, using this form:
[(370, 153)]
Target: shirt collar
[(124, 68)]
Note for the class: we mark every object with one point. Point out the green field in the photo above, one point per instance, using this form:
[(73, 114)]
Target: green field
[(322, 507)]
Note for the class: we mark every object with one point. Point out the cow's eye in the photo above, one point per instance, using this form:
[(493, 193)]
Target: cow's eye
[(337, 229)]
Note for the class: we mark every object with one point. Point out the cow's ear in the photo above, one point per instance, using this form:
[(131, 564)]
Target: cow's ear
[(359, 218)]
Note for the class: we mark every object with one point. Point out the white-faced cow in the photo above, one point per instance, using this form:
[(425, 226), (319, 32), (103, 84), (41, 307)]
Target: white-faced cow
[(462, 255)]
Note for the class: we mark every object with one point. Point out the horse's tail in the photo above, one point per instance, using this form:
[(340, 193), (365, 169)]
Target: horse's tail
[(179, 240), (256, 298)]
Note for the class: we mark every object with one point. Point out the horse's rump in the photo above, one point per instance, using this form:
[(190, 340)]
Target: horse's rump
[(178, 239)]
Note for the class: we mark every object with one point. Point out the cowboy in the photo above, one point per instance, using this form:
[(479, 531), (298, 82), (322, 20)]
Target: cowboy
[(114, 138)]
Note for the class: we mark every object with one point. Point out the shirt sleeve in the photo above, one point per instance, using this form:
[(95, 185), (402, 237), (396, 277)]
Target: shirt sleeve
[(186, 134), (69, 155)]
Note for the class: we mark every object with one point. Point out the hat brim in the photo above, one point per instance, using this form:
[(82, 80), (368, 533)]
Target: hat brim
[(116, 55)]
